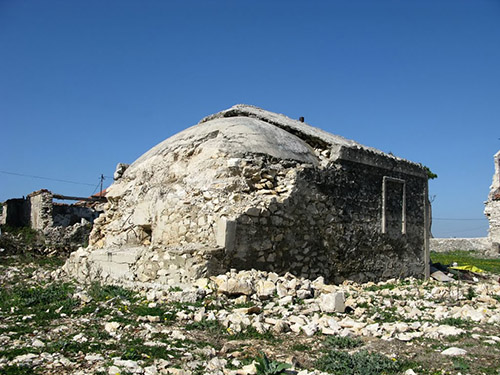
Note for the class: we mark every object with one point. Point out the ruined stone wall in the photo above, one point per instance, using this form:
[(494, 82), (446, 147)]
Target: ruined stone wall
[(248, 188), (331, 226), (277, 216), (65, 215), (492, 209), (40, 209), (442, 245), (15, 213)]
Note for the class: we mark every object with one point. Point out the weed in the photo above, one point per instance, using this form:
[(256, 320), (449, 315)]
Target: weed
[(251, 333), (360, 363), (470, 293), (212, 326), (266, 367), (18, 370), (339, 342), (457, 322), (460, 364), (44, 302), (101, 292), (244, 305), (300, 347), (375, 288), (386, 315), (459, 337)]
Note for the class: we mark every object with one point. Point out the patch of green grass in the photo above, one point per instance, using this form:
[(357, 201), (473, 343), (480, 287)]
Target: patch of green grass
[(251, 333), (205, 325), (300, 347), (244, 305), (27, 234), (460, 364), (100, 293), (374, 288), (467, 257), (135, 350), (339, 342), (455, 338), (12, 353), (44, 302), (19, 329), (360, 363), (18, 370), (457, 322), (386, 315)]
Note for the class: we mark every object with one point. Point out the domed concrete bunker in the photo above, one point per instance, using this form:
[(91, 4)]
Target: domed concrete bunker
[(247, 188)]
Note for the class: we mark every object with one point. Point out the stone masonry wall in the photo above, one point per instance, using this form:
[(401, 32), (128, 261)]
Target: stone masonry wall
[(331, 226), (40, 203), (249, 188), (265, 214), (492, 209)]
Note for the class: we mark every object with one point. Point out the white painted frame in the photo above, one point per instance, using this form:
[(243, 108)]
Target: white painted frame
[(384, 203)]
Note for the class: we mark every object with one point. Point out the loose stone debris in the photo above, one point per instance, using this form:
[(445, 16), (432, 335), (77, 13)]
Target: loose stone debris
[(52, 227), (405, 319)]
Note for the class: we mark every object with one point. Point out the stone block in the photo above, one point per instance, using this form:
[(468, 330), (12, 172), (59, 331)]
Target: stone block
[(225, 234), (332, 302)]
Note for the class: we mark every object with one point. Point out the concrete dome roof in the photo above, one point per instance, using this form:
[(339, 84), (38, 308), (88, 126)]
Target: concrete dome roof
[(194, 154)]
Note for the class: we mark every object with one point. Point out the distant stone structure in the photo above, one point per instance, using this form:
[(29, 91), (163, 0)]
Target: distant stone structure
[(486, 245), (492, 209), (247, 188), (59, 222)]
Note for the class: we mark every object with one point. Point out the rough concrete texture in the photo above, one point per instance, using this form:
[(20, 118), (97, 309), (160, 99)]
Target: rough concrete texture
[(247, 188), (492, 209)]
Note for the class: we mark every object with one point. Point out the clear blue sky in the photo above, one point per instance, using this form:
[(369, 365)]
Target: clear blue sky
[(87, 84)]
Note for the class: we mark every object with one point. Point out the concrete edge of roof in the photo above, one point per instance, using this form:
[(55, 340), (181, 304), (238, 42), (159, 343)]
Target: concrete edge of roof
[(341, 148)]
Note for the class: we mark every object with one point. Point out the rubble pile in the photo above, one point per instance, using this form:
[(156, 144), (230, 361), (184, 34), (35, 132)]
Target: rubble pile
[(407, 312)]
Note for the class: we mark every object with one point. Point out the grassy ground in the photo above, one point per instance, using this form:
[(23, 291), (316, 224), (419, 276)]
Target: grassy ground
[(32, 307), (463, 258)]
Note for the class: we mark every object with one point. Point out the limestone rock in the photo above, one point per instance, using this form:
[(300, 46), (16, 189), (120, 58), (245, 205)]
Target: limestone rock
[(332, 302), (454, 352)]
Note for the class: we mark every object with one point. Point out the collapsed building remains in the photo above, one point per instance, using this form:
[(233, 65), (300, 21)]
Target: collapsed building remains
[(492, 209), (247, 188), (60, 223)]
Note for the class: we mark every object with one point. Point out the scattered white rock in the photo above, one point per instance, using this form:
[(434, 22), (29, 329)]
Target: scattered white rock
[(454, 351)]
